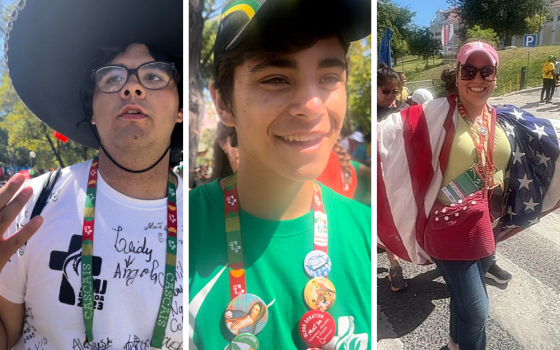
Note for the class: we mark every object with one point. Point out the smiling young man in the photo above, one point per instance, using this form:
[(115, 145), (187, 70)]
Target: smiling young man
[(105, 268), (263, 234)]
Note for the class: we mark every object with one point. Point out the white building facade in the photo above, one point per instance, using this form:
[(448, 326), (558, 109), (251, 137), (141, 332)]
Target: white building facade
[(549, 35), (445, 28)]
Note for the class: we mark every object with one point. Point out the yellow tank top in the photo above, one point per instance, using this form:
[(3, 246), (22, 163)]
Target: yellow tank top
[(463, 155)]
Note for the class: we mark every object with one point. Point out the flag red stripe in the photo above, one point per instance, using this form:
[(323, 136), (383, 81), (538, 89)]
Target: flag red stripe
[(419, 156), (385, 223)]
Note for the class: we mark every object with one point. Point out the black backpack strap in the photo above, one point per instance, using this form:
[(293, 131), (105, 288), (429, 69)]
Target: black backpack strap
[(45, 193)]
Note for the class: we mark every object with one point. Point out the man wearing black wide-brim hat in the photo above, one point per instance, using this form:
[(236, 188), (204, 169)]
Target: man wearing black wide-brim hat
[(104, 266)]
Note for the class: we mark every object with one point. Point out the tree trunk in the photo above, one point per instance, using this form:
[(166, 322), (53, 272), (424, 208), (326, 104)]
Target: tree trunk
[(55, 151), (196, 98)]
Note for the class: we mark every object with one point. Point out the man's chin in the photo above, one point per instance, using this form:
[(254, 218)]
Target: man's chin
[(307, 172)]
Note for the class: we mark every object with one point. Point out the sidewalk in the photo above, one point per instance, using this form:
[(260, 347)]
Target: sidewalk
[(530, 101)]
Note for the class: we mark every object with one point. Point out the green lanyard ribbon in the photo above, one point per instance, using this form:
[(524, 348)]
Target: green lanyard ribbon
[(87, 257)]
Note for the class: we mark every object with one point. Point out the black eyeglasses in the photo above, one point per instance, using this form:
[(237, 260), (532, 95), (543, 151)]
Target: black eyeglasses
[(469, 72), (388, 91), (151, 75)]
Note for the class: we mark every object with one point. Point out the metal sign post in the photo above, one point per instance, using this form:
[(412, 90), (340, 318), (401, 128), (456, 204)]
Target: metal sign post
[(529, 43)]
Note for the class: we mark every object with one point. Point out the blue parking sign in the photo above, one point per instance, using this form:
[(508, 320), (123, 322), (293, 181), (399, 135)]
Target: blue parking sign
[(530, 40)]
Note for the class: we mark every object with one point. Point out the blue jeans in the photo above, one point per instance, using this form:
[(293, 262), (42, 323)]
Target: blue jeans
[(469, 300)]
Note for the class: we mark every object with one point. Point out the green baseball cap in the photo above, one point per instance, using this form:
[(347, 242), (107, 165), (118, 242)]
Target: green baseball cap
[(551, 57), (244, 19)]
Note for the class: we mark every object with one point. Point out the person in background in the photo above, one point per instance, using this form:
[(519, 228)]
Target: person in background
[(388, 88), (388, 84), (339, 175), (556, 72), (360, 152), (344, 140), (354, 140), (404, 95), (419, 96), (548, 80), (226, 154)]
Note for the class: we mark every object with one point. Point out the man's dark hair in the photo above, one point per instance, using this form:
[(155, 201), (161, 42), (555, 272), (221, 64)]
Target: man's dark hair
[(106, 55)]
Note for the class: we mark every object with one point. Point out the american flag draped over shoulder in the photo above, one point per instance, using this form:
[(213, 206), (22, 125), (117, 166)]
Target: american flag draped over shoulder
[(412, 154)]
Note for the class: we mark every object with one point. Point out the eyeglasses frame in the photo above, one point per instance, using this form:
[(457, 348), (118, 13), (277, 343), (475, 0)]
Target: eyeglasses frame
[(130, 71)]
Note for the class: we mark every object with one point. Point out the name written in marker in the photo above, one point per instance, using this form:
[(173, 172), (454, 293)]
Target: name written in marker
[(126, 247)]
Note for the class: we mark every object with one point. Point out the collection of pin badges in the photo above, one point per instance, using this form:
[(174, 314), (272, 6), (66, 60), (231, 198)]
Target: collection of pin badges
[(317, 327)]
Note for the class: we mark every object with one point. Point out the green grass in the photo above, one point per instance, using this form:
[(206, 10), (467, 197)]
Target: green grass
[(511, 62), (412, 65)]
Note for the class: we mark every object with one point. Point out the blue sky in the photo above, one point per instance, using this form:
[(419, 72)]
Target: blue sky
[(425, 10)]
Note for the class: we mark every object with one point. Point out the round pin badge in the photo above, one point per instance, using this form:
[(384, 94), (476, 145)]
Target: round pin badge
[(317, 264), (319, 294), (244, 341), (247, 313), (316, 328)]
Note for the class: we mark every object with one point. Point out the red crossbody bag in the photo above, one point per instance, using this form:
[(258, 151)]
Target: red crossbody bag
[(463, 231)]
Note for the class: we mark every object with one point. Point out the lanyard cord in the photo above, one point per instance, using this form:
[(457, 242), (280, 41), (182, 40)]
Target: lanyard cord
[(87, 257), (488, 127), (234, 240)]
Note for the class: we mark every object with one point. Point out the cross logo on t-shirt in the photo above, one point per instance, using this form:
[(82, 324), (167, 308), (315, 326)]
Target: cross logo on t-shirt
[(68, 263)]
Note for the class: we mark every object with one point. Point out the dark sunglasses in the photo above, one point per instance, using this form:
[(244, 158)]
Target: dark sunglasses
[(151, 75), (469, 72), (388, 91)]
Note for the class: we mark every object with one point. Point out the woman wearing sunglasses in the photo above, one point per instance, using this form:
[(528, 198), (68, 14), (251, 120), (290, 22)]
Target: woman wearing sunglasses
[(389, 86), (442, 169)]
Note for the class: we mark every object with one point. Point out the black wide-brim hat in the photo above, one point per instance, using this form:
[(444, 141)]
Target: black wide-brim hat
[(49, 45), (244, 19)]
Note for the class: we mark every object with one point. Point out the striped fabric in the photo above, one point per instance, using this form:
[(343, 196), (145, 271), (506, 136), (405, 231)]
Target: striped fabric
[(412, 154)]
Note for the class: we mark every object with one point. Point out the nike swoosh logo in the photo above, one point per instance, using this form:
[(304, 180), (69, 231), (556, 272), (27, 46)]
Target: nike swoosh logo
[(196, 303)]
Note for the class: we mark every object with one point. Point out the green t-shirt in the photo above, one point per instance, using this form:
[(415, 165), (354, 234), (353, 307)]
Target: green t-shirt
[(274, 254)]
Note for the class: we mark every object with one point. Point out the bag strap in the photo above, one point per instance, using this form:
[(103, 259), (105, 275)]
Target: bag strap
[(48, 186)]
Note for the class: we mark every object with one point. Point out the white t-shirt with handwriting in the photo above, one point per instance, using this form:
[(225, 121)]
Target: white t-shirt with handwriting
[(128, 268)]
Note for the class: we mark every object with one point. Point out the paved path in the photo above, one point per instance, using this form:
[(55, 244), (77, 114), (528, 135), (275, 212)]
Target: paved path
[(524, 315), (530, 101)]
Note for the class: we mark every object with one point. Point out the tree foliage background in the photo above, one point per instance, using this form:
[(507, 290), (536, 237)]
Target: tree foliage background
[(399, 19), (22, 132), (506, 18), (421, 44)]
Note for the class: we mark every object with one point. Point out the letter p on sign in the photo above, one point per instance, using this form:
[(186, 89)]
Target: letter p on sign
[(529, 41)]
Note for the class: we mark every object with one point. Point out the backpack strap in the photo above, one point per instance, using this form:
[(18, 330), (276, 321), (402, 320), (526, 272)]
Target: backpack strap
[(48, 186)]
